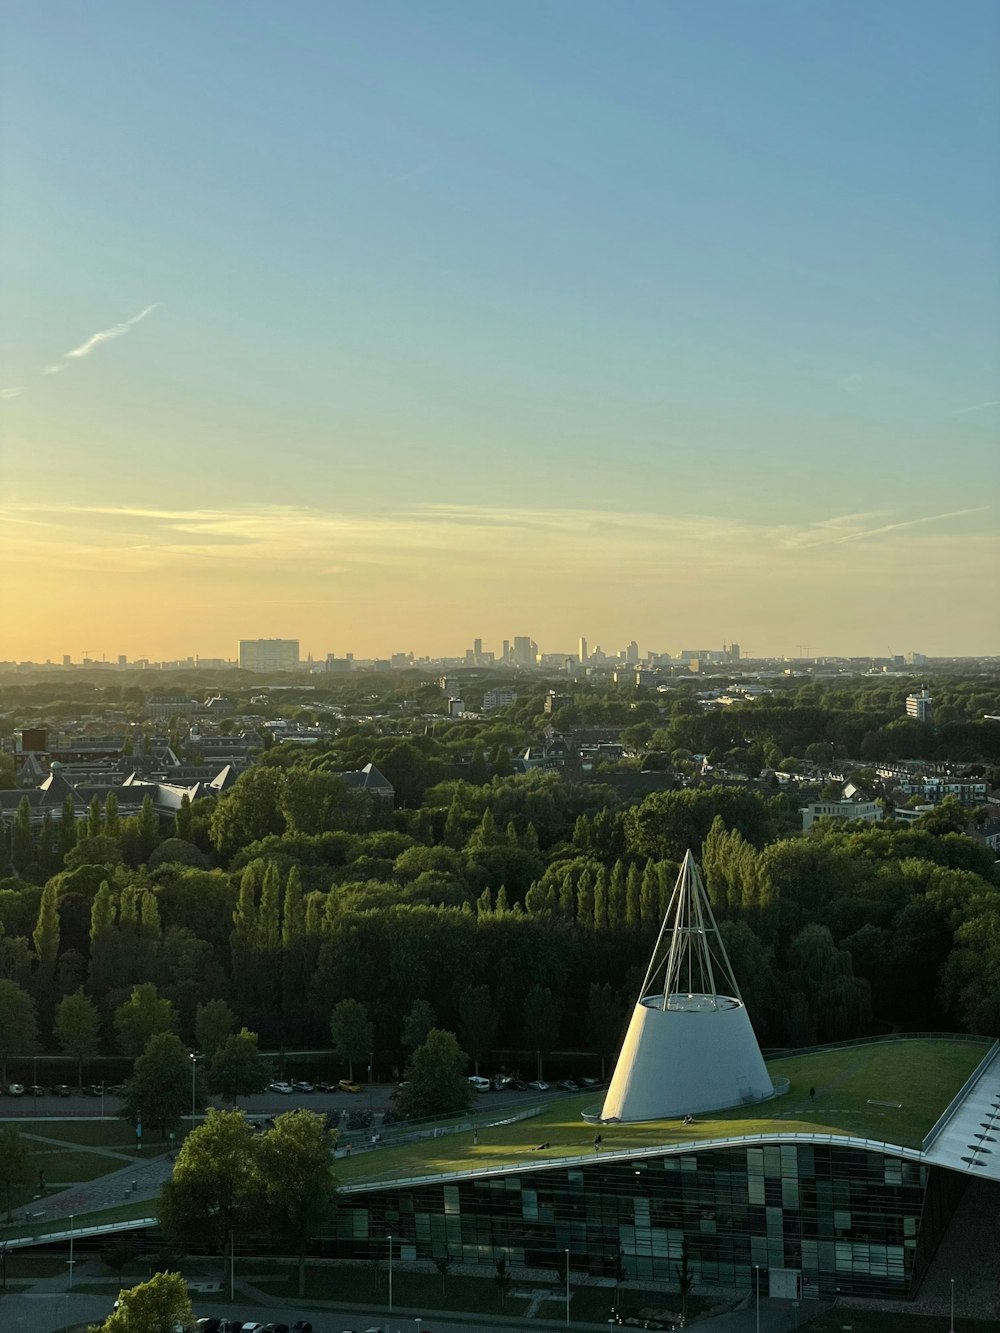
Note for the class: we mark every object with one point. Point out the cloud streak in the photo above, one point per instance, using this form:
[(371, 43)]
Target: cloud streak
[(107, 335), (975, 407), (11, 393)]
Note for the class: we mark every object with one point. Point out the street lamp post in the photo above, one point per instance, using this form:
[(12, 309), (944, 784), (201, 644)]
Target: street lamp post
[(72, 1228), (756, 1269), (390, 1275), (951, 1326), (567, 1286)]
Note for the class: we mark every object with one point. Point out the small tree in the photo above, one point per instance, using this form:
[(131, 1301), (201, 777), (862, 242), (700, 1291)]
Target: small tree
[(435, 1078), (158, 1091), (503, 1279), (18, 1023), (142, 1016), (157, 1306), (350, 1032), (443, 1267), (237, 1069), (78, 1029), (213, 1023)]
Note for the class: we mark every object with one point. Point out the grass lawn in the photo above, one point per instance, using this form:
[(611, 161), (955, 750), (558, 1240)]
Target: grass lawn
[(90, 1133), (921, 1075), (68, 1166), (120, 1213), (462, 1294), (840, 1319)]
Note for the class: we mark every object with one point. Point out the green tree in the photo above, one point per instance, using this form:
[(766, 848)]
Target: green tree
[(250, 811), (160, 1305), (184, 820), (215, 1187), (296, 1171), (78, 1029), (45, 937), (158, 1093), (237, 1069), (540, 1023), (22, 842), (15, 1165), (18, 1023), (142, 1016), (417, 1024), (350, 1032), (479, 1022), (213, 1023), (435, 1078)]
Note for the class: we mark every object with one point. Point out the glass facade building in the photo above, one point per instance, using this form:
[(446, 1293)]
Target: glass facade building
[(843, 1218)]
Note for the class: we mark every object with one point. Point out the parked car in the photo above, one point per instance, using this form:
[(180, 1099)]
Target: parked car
[(589, 1084), (275, 1328), (61, 1090), (479, 1084), (348, 1085), (567, 1085), (517, 1085), (285, 1089), (212, 1324), (15, 1089), (93, 1090), (302, 1326), (302, 1086), (325, 1087), (36, 1091), (538, 1085)]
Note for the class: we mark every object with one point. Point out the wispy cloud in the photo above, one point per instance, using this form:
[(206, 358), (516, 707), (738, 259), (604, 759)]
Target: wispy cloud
[(53, 370), (975, 407), (832, 534), (293, 541), (106, 335), (11, 393)]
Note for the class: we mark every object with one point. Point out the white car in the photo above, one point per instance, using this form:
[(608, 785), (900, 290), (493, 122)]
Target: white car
[(285, 1089), (480, 1084), (15, 1090)]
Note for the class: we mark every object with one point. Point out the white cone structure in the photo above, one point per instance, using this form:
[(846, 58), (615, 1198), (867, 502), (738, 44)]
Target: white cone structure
[(690, 1046)]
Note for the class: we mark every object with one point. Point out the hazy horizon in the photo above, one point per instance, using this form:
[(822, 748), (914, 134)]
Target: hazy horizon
[(387, 326)]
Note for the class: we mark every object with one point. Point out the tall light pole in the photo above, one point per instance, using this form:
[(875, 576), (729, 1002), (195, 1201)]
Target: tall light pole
[(194, 1072), (72, 1228), (390, 1275), (567, 1286), (756, 1269), (951, 1326)]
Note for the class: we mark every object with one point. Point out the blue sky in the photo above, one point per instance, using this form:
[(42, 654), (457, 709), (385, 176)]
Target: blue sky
[(436, 285)]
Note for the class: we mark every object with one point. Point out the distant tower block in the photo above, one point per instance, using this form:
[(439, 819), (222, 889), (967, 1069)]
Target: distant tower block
[(690, 1046)]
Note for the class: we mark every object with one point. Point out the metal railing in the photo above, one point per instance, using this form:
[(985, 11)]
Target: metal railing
[(81, 1232)]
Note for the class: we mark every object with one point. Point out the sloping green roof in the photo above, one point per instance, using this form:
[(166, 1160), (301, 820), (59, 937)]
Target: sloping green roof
[(890, 1091)]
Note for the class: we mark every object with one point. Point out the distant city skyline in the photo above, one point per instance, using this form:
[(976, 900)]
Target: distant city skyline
[(368, 323), (272, 655)]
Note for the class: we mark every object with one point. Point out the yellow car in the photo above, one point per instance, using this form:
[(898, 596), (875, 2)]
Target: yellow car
[(346, 1085)]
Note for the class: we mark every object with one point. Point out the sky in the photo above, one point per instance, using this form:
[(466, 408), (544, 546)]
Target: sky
[(385, 326)]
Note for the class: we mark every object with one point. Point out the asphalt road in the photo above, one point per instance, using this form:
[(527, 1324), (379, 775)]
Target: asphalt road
[(375, 1096)]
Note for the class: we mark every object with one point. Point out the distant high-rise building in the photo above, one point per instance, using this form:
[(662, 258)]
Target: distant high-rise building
[(505, 656), (920, 706), (269, 654), (67, 660), (632, 653), (122, 659), (477, 650), (525, 651), (734, 652), (583, 651)]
